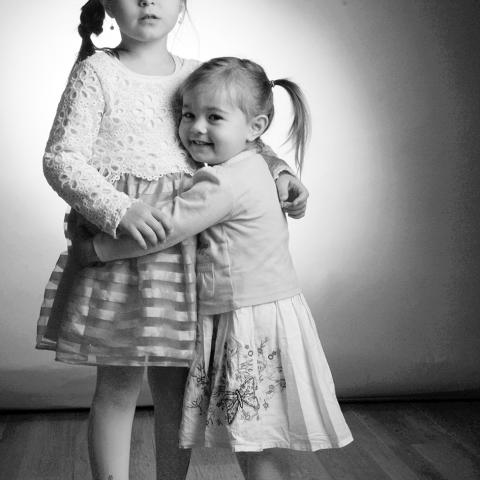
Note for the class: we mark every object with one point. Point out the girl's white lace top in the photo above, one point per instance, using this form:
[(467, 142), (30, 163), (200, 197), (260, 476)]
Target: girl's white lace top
[(112, 122)]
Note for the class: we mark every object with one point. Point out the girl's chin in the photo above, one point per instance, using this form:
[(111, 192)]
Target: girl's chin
[(201, 154)]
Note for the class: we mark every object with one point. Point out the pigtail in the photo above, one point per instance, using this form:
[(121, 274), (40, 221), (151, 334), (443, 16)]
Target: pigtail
[(253, 94), (91, 22), (299, 131)]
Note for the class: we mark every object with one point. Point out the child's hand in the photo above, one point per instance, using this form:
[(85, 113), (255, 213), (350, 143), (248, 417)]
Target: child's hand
[(145, 224), (292, 194)]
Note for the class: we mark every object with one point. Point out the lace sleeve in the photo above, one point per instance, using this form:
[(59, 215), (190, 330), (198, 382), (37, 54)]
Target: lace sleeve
[(70, 146), (275, 165)]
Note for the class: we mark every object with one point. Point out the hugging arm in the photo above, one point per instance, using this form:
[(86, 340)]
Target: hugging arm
[(292, 194), (206, 203)]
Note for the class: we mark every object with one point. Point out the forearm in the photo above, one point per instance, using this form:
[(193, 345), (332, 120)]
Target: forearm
[(86, 190), (109, 249), (206, 203), (69, 150)]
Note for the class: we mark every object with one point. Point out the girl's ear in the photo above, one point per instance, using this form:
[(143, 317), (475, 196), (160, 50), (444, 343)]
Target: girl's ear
[(258, 125), (183, 12)]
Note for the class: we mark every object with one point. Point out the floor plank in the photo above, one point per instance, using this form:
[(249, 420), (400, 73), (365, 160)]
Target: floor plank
[(391, 427), (3, 425), (306, 466), (352, 462), (455, 419), (452, 461), (393, 441), (379, 451), (213, 464)]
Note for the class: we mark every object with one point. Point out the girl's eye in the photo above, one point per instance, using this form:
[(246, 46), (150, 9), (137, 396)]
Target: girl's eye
[(187, 115), (214, 117)]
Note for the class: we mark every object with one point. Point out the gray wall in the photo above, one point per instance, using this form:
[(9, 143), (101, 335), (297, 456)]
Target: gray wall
[(388, 253)]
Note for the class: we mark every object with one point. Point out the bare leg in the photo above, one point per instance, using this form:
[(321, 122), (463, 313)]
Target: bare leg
[(110, 422), (167, 385), (270, 464)]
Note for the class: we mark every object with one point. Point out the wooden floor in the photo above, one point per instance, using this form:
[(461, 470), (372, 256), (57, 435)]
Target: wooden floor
[(393, 441)]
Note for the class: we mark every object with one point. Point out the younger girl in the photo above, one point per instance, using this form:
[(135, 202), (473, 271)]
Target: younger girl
[(259, 380), (113, 154)]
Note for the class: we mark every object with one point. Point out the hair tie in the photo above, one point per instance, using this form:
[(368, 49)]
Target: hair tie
[(272, 83)]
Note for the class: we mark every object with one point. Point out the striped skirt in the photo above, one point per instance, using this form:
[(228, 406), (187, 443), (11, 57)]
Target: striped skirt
[(132, 312)]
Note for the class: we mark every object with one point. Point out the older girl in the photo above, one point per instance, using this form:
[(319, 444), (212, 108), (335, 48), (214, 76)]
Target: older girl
[(113, 154)]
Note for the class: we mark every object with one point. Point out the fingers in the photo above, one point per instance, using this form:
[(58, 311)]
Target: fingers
[(158, 233), (301, 198), (147, 225), (137, 236), (296, 189), (297, 213), (294, 211), (164, 219), (159, 224), (151, 231)]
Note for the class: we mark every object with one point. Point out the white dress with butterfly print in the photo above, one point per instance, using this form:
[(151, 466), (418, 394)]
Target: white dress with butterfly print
[(260, 380)]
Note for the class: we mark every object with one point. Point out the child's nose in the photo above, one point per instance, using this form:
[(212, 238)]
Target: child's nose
[(199, 125)]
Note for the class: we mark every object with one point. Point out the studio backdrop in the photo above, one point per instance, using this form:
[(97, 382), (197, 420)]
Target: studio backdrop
[(388, 254)]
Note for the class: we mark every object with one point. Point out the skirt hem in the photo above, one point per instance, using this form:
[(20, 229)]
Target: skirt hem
[(304, 446), (126, 363)]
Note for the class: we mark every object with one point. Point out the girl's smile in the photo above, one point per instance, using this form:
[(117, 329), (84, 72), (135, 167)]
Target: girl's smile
[(201, 143), (212, 129)]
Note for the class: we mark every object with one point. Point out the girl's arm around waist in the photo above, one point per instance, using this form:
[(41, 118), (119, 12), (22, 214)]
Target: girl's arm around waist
[(275, 165), (208, 202), (292, 193)]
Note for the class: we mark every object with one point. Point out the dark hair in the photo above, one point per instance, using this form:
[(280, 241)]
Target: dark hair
[(254, 95), (91, 22)]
